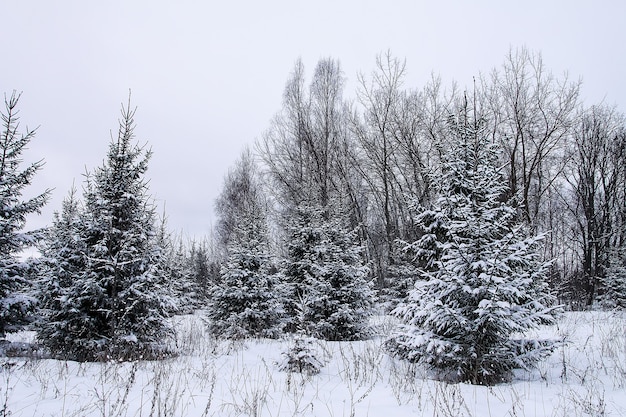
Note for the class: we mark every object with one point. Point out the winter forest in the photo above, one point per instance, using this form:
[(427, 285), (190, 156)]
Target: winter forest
[(410, 248)]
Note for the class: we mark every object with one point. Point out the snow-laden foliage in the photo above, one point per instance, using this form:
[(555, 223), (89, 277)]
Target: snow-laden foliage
[(399, 279), (324, 267), (614, 283), (105, 265), (62, 317), (247, 299), (204, 266), (14, 301), (412, 258), (482, 283), (301, 356), (176, 272)]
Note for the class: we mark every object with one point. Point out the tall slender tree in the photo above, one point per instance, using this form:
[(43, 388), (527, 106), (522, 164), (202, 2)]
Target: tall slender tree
[(13, 213), (531, 113), (241, 194), (175, 270), (303, 148), (597, 178), (392, 150)]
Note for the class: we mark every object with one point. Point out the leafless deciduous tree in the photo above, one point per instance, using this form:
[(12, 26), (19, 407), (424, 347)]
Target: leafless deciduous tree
[(532, 113), (597, 179), (372, 161), (301, 148), (242, 196), (392, 139)]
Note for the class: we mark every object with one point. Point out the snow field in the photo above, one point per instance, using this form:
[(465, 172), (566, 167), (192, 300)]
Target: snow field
[(586, 376)]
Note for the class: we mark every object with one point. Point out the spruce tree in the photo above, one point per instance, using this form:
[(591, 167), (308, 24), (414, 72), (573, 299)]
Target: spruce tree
[(179, 275), (409, 258), (118, 292), (482, 282), (204, 267), (613, 284), (247, 299), (14, 303), (175, 271), (64, 322), (326, 278)]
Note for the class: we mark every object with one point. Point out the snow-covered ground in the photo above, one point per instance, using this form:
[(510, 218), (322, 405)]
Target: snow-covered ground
[(585, 377)]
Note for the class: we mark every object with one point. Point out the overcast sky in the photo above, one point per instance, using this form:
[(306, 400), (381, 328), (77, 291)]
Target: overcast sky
[(207, 76)]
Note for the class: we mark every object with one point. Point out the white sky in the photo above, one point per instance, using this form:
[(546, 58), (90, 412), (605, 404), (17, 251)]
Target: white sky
[(208, 76)]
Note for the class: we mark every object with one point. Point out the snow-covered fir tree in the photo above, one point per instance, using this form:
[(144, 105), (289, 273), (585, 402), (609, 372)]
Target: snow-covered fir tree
[(119, 293), (482, 283), (14, 301), (186, 290), (176, 271), (613, 284), (409, 258), (204, 267), (324, 268), (302, 356), (63, 311), (247, 299)]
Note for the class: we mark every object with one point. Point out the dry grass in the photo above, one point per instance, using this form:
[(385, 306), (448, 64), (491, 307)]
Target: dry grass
[(585, 377)]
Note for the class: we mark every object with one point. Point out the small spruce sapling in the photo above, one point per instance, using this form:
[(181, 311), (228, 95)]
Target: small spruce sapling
[(302, 355)]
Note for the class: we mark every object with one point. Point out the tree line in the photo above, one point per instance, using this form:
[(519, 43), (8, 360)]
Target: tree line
[(500, 200), (373, 157)]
